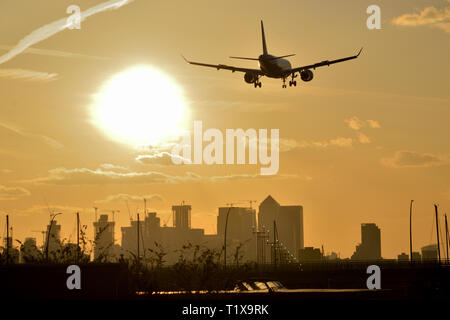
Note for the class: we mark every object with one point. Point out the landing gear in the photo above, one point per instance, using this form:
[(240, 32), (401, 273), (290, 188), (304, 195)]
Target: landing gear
[(257, 83), (284, 83), (293, 82)]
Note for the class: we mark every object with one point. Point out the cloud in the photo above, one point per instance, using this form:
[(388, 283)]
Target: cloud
[(414, 159), (55, 27), (41, 209), (430, 16), (28, 75), (342, 142), (122, 197), (55, 53), (109, 166), (253, 177), (373, 124), (163, 158), (13, 193), (85, 176), (43, 138), (363, 138), (291, 144), (356, 124)]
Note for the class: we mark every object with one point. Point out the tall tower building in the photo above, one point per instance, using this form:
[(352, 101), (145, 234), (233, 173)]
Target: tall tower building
[(370, 247), (240, 230), (289, 223), (53, 237), (181, 216), (103, 236)]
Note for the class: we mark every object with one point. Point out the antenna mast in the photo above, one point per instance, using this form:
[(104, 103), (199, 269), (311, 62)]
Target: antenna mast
[(437, 231), (7, 238)]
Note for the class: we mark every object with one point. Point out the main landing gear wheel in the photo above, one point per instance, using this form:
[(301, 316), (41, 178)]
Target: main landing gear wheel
[(257, 84), (292, 83)]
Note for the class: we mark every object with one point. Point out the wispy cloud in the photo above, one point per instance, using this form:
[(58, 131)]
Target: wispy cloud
[(43, 209), (252, 177), (55, 27), (163, 158), (109, 166), (413, 159), (29, 75), (121, 197), (292, 144), (43, 138), (362, 138), (85, 176), (430, 16), (356, 124), (13, 193), (55, 53)]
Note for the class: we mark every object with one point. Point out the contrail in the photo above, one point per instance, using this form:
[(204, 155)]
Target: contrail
[(57, 26)]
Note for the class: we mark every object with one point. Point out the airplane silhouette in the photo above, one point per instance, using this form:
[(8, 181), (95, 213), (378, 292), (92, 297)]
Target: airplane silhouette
[(274, 67)]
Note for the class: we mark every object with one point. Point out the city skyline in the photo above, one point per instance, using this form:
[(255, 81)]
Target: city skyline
[(369, 248)]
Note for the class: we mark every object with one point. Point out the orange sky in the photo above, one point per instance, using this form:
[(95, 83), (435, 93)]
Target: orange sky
[(344, 169)]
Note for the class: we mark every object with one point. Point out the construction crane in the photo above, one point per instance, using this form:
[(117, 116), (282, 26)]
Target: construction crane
[(249, 201), (129, 212), (113, 212), (165, 222), (96, 208)]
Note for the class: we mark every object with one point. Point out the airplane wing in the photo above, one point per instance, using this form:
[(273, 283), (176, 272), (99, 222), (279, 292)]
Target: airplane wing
[(325, 63), (225, 67)]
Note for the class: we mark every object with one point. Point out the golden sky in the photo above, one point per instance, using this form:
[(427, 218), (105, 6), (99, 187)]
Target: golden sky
[(358, 142)]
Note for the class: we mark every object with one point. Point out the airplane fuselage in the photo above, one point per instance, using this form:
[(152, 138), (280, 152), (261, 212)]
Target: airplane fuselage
[(273, 67)]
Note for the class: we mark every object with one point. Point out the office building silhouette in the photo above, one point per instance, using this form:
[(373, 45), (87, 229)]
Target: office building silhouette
[(370, 247), (288, 220)]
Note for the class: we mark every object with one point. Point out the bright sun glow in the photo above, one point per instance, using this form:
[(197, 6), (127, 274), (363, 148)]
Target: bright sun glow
[(140, 106)]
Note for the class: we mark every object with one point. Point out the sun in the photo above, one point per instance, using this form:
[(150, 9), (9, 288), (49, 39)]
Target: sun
[(140, 106)]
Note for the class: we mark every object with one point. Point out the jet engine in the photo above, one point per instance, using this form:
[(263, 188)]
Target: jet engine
[(250, 77), (306, 75)]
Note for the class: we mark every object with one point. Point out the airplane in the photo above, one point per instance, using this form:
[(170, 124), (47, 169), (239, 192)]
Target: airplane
[(274, 67)]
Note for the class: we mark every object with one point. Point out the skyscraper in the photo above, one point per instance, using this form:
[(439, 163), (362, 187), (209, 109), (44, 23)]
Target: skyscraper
[(182, 216), (104, 237), (370, 247), (289, 223), (240, 228), (53, 237)]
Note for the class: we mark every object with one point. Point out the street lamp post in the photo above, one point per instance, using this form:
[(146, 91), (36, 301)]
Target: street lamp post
[(410, 231), (48, 233), (225, 238)]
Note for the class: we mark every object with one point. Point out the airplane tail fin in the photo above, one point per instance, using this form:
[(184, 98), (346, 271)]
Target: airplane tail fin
[(263, 38)]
